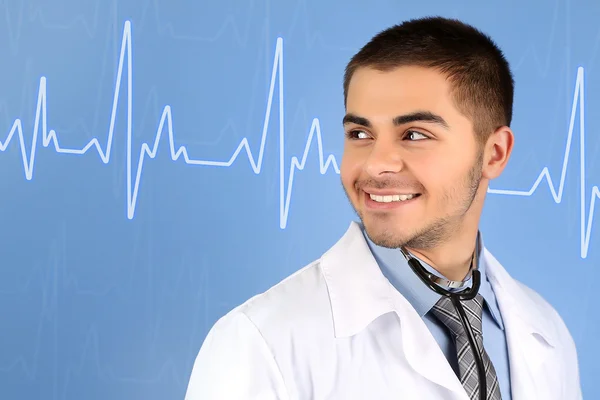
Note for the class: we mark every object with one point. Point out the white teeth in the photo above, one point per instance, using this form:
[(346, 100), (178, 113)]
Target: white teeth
[(390, 198)]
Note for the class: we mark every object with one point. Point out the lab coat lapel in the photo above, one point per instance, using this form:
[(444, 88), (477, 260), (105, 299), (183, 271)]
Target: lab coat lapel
[(529, 339), (422, 351), (359, 293)]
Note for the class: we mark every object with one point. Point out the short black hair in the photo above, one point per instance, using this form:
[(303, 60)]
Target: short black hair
[(479, 74)]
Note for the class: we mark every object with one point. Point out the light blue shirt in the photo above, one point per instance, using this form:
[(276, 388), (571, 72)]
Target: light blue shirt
[(396, 269)]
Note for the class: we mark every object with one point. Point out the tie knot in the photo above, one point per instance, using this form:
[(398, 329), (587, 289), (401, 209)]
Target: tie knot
[(445, 311)]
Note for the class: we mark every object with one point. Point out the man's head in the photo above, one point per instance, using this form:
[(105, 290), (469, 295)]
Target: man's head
[(428, 110)]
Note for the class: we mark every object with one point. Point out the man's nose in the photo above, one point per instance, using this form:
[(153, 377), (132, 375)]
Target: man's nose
[(385, 158)]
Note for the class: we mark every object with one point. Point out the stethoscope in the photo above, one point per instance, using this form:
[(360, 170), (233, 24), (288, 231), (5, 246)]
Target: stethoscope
[(441, 286)]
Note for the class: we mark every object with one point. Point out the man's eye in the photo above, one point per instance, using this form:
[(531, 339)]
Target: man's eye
[(415, 135), (357, 134)]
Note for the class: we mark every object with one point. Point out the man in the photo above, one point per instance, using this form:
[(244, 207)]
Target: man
[(428, 110)]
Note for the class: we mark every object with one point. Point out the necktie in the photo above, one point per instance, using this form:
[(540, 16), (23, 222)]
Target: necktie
[(444, 310)]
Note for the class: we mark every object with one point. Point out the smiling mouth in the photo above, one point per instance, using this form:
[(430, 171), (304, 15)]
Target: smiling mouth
[(393, 197)]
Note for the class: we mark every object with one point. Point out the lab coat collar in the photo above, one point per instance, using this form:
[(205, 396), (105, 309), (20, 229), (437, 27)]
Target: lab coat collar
[(396, 269), (532, 336), (516, 300), (358, 290)]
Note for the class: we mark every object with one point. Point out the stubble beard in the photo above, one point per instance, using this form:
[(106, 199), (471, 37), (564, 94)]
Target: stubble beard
[(439, 230)]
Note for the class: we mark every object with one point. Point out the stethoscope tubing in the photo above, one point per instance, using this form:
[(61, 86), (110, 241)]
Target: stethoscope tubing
[(456, 297)]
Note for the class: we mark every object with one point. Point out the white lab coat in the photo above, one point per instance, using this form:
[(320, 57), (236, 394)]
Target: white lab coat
[(337, 329)]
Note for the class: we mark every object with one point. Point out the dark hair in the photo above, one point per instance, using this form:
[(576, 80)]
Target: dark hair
[(480, 77)]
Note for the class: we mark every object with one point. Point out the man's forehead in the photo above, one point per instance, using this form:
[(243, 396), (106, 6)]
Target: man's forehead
[(389, 95)]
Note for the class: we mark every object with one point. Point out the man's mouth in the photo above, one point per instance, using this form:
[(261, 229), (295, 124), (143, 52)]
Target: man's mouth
[(393, 197)]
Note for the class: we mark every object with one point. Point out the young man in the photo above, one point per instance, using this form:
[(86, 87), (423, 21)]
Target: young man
[(428, 110)]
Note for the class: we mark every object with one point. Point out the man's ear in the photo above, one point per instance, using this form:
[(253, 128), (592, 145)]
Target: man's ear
[(497, 151)]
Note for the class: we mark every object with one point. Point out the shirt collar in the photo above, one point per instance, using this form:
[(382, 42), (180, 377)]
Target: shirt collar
[(396, 269)]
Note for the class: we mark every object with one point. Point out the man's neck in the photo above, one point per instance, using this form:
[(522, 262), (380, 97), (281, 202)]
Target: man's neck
[(451, 259)]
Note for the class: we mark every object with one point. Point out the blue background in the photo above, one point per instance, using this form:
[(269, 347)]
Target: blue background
[(97, 305)]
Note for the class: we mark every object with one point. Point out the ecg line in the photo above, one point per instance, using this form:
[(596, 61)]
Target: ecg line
[(133, 190), (296, 164), (586, 227)]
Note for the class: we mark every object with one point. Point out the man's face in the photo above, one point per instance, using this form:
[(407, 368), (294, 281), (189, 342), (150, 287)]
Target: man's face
[(412, 166)]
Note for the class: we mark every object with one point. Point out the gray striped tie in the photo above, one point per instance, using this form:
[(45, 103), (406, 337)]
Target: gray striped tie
[(444, 310)]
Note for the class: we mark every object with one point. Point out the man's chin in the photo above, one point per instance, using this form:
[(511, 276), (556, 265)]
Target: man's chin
[(385, 236)]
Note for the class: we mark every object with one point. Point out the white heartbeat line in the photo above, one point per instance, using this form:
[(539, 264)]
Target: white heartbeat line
[(133, 190), (586, 227), (256, 164)]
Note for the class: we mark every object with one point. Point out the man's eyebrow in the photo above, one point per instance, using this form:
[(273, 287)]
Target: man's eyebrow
[(355, 119), (417, 116), (421, 116)]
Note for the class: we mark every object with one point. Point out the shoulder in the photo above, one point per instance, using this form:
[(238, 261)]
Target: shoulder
[(302, 295), (553, 321), (287, 309), (248, 341), (542, 305), (550, 326), (531, 307)]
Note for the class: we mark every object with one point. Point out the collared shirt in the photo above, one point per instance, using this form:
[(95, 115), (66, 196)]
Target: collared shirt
[(396, 269)]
